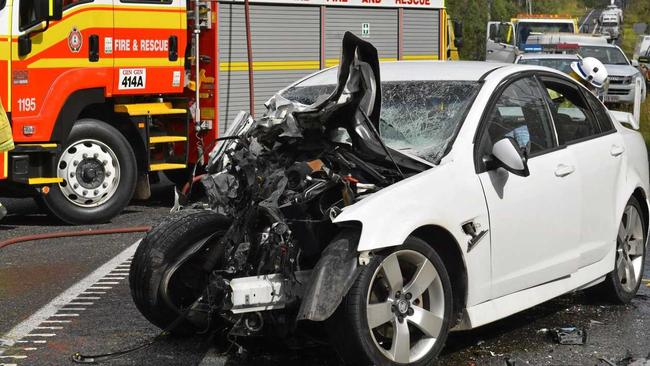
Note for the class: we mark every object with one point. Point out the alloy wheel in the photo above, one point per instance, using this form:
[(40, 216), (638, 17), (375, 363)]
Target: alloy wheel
[(405, 306), (629, 256)]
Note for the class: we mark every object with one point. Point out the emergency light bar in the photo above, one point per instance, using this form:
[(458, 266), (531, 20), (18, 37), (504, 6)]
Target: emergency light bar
[(551, 48), (543, 16)]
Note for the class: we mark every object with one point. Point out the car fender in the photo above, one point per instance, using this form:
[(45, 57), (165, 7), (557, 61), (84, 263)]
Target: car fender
[(447, 196), (636, 168), (440, 196)]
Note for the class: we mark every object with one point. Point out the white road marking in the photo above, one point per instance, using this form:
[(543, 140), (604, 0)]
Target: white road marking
[(40, 335), (93, 293), (87, 298), (78, 303), (39, 341), (100, 287), (108, 283), (74, 309), (49, 328), (52, 308), (114, 278), (8, 364), (56, 321), (15, 357), (65, 315), (30, 349)]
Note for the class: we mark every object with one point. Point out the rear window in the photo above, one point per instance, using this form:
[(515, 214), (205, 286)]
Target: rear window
[(563, 65)]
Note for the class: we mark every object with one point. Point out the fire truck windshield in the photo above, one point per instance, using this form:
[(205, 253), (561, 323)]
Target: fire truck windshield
[(525, 29)]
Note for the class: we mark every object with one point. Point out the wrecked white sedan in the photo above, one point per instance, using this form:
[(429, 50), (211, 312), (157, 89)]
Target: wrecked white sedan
[(447, 196)]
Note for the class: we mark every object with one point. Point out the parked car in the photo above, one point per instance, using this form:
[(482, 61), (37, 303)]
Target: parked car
[(623, 73), (560, 62), (448, 196)]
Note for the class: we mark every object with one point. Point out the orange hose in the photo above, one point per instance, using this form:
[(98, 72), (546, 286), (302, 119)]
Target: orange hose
[(69, 234)]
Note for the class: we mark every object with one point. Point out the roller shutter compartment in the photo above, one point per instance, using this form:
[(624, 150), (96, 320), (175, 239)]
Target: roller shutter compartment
[(286, 47), (421, 34), (383, 30)]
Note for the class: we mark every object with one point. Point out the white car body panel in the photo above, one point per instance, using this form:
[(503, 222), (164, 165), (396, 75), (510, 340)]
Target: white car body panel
[(539, 246)]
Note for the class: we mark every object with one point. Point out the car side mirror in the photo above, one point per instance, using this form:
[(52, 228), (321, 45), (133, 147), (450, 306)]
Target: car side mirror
[(507, 154), (635, 63)]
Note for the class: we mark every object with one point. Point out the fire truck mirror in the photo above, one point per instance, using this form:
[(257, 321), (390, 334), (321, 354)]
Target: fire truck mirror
[(458, 29), (24, 45)]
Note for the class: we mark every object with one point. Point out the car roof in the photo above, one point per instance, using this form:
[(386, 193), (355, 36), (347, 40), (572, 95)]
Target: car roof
[(550, 56), (416, 70)]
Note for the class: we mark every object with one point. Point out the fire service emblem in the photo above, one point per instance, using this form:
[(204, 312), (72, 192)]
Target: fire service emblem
[(75, 40)]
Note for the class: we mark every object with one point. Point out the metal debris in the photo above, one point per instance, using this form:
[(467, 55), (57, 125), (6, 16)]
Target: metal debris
[(569, 336)]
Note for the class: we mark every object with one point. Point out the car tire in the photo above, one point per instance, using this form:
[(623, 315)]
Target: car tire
[(159, 250), (622, 284), (373, 292), (99, 174)]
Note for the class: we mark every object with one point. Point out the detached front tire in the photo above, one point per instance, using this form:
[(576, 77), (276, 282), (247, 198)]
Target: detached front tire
[(398, 311), (161, 250), (99, 174)]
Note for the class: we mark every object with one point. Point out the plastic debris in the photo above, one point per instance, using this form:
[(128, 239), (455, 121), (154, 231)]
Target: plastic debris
[(569, 336)]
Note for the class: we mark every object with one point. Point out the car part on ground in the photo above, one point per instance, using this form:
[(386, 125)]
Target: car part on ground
[(98, 169)]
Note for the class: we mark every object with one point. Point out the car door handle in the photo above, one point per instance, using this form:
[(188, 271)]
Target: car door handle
[(617, 150), (564, 170)]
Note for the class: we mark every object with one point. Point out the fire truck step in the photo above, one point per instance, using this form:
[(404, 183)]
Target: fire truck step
[(166, 139), (148, 109), (166, 166), (42, 181)]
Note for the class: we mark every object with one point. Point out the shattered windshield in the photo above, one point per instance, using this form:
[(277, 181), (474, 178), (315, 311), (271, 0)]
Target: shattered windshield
[(418, 117)]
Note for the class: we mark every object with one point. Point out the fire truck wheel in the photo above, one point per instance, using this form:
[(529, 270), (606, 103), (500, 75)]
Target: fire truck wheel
[(99, 174)]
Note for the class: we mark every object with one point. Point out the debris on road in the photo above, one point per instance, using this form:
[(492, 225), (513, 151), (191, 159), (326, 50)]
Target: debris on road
[(569, 336)]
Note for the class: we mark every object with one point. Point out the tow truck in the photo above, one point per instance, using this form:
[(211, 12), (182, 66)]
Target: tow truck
[(103, 95), (505, 40)]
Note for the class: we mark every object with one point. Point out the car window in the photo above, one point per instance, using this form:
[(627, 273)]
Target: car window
[(602, 116), (606, 55), (520, 112), (2, 4), (574, 120)]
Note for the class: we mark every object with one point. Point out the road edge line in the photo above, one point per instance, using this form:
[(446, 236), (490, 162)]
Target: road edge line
[(48, 310)]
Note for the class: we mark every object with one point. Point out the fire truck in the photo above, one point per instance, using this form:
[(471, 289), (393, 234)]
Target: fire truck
[(103, 95)]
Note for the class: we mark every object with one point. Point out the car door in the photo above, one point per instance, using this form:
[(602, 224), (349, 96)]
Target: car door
[(500, 42), (533, 219), (584, 127)]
